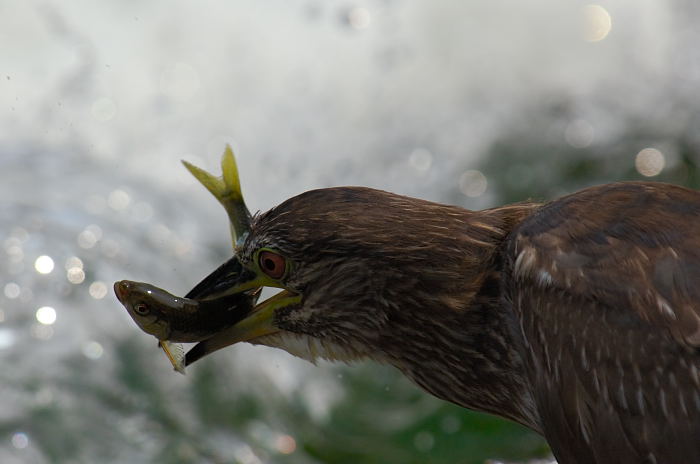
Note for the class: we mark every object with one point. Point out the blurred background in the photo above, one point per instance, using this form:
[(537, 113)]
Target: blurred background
[(474, 103)]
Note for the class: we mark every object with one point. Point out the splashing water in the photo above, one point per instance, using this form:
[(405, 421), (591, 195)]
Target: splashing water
[(99, 103)]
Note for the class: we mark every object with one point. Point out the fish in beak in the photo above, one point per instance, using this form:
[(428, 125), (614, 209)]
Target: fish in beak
[(227, 281), (172, 319)]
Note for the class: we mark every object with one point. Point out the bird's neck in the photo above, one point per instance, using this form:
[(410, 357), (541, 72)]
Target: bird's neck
[(482, 369)]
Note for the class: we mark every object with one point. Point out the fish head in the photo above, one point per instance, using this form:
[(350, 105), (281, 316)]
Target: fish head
[(152, 308)]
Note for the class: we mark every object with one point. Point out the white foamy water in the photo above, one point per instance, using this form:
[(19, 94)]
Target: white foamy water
[(100, 100)]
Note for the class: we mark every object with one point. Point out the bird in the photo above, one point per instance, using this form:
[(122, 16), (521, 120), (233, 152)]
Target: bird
[(578, 317)]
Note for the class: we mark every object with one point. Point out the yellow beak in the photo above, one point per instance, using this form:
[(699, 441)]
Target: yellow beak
[(261, 321)]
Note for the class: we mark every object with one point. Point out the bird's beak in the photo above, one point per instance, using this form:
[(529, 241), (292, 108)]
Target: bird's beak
[(230, 278)]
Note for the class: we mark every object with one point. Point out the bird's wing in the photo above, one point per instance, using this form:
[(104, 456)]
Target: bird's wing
[(605, 287), (632, 246)]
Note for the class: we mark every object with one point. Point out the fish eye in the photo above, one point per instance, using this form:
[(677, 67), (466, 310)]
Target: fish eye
[(272, 264), (141, 309)]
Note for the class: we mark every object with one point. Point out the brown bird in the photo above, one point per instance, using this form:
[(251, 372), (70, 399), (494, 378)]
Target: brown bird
[(579, 318)]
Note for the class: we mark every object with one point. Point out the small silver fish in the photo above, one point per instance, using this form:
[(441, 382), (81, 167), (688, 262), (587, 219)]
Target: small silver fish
[(172, 319)]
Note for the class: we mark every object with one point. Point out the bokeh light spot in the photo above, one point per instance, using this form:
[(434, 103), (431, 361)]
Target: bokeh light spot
[(46, 315), (93, 350), (579, 133), (118, 200), (15, 253), (90, 236), (285, 444), (20, 440), (95, 229), (182, 247), (472, 183), (12, 290), (44, 264), (450, 424), (98, 290), (74, 261), (650, 162), (359, 18), (11, 242), (424, 441), (75, 275), (420, 159), (86, 239), (597, 23)]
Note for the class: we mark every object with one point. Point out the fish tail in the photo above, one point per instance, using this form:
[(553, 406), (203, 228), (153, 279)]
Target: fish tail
[(229, 170), (227, 190)]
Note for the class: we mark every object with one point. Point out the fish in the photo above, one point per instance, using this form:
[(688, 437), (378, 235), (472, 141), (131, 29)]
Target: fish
[(227, 190), (174, 320)]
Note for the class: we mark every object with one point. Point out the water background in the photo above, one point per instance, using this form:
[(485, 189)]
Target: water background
[(471, 103)]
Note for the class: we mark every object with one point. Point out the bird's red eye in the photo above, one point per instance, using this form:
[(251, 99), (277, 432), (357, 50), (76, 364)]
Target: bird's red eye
[(272, 264)]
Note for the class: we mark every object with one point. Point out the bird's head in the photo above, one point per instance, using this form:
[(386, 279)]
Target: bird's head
[(359, 269)]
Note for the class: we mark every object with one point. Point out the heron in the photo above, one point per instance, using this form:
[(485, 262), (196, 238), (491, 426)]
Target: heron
[(578, 318)]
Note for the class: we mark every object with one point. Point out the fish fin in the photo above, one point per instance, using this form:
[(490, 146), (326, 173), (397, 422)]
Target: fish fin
[(175, 353)]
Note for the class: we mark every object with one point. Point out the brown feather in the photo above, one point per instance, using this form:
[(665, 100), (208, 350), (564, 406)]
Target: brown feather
[(621, 386), (647, 233)]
